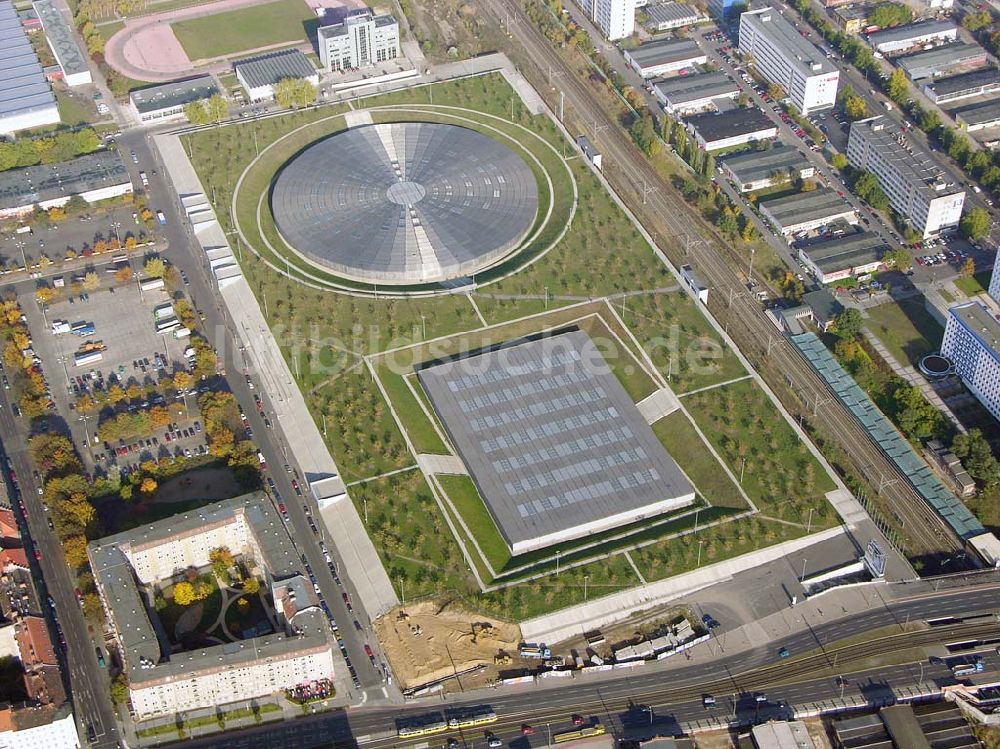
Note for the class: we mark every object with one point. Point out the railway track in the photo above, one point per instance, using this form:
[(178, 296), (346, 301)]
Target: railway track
[(668, 215)]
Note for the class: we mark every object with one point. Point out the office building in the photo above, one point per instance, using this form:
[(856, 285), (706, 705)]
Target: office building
[(556, 447), (287, 648), (361, 40), (736, 127), (687, 94), (95, 176), (948, 59), (786, 58), (26, 100), (945, 90), (901, 38), (664, 56), (978, 116), (918, 189), (165, 103), (615, 18), (63, 43), (721, 9), (760, 169), (259, 75), (805, 211), (994, 290), (831, 260), (671, 15), (972, 343)]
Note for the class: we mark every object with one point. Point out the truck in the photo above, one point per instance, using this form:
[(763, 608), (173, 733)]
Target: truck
[(887, 105), (85, 358), (83, 328), (531, 650), (150, 284), (167, 324), (144, 178)]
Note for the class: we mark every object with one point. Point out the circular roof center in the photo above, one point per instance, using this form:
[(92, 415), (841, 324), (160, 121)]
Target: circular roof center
[(405, 193)]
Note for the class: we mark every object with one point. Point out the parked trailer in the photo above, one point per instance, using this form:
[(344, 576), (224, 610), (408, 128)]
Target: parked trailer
[(150, 284), (182, 333), (168, 324), (59, 327), (530, 650), (83, 328), (163, 311), (85, 358)]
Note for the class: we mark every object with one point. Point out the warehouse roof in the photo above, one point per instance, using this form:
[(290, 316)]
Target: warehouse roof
[(806, 207), (664, 52), (36, 184), (61, 38), (979, 114), (759, 165), (552, 440), (174, 94), (672, 13), (267, 70), (831, 255), (802, 53), (914, 31), (23, 87), (695, 87), (712, 127), (965, 82), (923, 64)]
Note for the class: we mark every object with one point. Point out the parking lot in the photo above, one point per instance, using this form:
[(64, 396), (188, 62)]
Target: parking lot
[(132, 355), (54, 239)]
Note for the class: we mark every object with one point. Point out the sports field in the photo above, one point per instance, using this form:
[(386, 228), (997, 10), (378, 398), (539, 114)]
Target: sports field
[(245, 29)]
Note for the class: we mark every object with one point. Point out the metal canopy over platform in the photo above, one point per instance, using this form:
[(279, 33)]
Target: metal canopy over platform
[(405, 203)]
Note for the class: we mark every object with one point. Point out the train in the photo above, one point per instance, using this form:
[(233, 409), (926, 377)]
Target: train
[(437, 723), (597, 729)]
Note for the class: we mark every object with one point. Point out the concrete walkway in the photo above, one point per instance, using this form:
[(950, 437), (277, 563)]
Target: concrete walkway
[(661, 403)]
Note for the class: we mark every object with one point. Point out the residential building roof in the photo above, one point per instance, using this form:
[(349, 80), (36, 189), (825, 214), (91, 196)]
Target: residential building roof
[(267, 70), (23, 87), (979, 114), (800, 52), (908, 158), (685, 88), (120, 589), (914, 31), (979, 321), (61, 38), (8, 524), (34, 643), (759, 165), (672, 13), (945, 57), (831, 255), (664, 52), (806, 207), (13, 556), (36, 184), (823, 304), (712, 127), (173, 94)]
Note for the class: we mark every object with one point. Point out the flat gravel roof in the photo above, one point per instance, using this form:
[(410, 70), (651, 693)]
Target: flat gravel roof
[(555, 445), (405, 202)]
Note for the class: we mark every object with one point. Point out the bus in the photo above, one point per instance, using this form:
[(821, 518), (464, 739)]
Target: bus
[(580, 733)]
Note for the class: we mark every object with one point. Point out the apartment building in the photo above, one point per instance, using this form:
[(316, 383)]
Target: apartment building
[(361, 40), (615, 18), (972, 343), (917, 188), (783, 56)]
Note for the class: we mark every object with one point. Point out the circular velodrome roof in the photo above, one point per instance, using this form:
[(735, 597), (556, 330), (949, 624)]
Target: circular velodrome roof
[(405, 203)]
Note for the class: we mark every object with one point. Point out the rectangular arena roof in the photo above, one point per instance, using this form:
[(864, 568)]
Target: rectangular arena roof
[(554, 444), (267, 70)]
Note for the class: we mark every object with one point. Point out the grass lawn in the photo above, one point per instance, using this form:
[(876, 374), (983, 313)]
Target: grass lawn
[(245, 29), (108, 30), (986, 506), (907, 329), (463, 494), (686, 447), (781, 476), (973, 285), (420, 428), (74, 109)]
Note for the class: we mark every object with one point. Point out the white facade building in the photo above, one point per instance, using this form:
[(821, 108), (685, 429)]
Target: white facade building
[(786, 58), (972, 343), (61, 733), (917, 189), (994, 290), (615, 18), (362, 40)]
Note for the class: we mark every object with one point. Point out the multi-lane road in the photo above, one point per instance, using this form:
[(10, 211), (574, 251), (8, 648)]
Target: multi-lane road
[(665, 214)]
